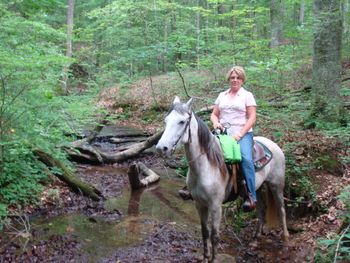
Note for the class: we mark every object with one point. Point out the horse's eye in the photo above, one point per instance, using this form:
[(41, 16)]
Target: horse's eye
[(181, 122)]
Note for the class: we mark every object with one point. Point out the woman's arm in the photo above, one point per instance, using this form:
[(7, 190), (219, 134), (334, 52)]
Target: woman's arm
[(214, 117), (251, 113)]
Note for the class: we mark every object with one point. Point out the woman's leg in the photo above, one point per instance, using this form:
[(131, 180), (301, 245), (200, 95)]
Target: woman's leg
[(247, 164)]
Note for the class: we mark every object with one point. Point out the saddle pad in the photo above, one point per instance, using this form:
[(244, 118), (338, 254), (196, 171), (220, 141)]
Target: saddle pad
[(261, 155)]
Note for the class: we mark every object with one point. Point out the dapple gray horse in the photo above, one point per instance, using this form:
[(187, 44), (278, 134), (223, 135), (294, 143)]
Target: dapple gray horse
[(207, 178)]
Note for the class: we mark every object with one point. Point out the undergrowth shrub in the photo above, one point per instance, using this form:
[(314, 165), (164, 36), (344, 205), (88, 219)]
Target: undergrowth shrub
[(337, 247)]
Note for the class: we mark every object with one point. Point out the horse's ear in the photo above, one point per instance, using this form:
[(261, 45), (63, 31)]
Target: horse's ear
[(176, 100), (189, 103)]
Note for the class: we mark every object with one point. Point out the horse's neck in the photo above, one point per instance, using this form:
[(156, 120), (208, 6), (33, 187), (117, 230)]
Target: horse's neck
[(192, 146)]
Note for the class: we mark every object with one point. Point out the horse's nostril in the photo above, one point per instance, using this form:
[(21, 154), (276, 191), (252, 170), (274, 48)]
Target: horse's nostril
[(165, 149)]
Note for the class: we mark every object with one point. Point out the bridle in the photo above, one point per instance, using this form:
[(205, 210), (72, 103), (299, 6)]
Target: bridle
[(182, 134), (187, 125)]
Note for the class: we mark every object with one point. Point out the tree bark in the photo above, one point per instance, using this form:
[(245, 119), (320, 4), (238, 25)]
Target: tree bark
[(345, 15), (326, 67), (68, 177), (82, 150), (276, 14), (69, 52), (132, 151), (221, 11), (302, 12), (198, 33)]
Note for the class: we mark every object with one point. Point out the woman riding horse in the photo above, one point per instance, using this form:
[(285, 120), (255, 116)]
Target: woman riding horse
[(237, 107), (208, 180)]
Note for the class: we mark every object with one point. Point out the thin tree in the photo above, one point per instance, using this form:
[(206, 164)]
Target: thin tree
[(276, 15), (69, 45), (326, 68)]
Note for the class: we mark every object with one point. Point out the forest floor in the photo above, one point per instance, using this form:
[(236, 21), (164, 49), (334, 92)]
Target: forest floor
[(167, 243)]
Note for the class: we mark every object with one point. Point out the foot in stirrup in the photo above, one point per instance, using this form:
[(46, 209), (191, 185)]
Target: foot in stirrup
[(185, 194), (248, 204)]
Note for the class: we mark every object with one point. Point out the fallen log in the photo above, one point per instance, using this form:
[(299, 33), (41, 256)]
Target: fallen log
[(81, 150), (126, 139), (67, 176), (132, 151), (134, 173)]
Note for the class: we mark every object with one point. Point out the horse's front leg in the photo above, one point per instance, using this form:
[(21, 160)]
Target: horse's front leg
[(216, 219), (203, 215)]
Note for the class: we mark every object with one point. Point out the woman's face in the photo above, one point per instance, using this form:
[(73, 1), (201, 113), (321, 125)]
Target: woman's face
[(235, 81)]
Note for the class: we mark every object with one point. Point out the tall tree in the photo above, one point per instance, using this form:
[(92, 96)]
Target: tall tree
[(345, 12), (326, 68), (70, 23), (276, 13), (302, 12)]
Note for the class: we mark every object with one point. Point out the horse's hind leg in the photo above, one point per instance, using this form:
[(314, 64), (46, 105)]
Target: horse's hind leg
[(260, 207), (277, 193), (203, 215), (216, 218)]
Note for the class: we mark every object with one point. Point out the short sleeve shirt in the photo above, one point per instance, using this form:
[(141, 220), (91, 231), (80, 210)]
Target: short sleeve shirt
[(234, 110)]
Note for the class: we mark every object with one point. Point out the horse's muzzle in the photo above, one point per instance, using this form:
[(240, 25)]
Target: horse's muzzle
[(163, 150)]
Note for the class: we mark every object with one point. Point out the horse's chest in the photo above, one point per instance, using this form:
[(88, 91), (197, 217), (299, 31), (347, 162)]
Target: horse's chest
[(204, 188)]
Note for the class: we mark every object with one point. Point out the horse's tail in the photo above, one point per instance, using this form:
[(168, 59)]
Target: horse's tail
[(271, 209)]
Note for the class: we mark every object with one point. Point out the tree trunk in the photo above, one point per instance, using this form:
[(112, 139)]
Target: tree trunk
[(302, 12), (198, 33), (165, 40), (68, 177), (132, 151), (276, 15), (221, 11), (70, 22), (326, 68), (137, 169), (345, 15), (82, 150)]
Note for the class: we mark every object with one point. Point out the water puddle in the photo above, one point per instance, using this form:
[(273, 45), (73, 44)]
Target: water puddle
[(141, 211)]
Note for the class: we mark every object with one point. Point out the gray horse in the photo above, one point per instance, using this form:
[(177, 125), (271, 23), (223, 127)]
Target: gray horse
[(208, 177)]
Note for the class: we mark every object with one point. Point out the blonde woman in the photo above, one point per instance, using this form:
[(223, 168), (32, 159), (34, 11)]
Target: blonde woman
[(237, 107)]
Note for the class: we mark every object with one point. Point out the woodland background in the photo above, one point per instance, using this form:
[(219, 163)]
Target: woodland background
[(64, 64)]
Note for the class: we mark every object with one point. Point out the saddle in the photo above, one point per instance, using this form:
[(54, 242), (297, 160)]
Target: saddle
[(261, 155)]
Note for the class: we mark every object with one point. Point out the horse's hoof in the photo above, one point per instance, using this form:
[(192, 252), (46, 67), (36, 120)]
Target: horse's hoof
[(185, 194)]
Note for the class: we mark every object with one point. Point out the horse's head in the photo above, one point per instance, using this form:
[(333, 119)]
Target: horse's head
[(177, 124)]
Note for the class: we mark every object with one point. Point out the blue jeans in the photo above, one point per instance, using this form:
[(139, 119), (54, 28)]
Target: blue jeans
[(247, 164)]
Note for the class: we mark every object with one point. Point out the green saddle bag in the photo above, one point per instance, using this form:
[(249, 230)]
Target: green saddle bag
[(230, 148)]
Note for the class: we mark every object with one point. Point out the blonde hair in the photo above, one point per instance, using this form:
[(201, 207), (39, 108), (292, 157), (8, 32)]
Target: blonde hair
[(239, 71)]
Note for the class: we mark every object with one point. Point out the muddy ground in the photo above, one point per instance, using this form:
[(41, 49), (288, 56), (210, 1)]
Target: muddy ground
[(166, 242)]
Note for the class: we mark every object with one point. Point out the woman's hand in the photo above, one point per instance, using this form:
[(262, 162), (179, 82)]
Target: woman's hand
[(237, 136), (217, 125)]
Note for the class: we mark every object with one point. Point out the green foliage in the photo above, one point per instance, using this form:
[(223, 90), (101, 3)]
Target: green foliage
[(32, 114), (150, 115), (298, 184), (23, 173), (182, 169), (3, 214), (338, 246)]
